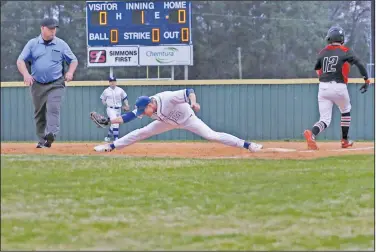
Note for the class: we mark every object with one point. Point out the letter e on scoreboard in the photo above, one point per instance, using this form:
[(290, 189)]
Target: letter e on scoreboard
[(184, 35), (114, 36), (155, 35)]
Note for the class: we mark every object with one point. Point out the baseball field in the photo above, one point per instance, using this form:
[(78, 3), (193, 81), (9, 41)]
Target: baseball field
[(187, 196)]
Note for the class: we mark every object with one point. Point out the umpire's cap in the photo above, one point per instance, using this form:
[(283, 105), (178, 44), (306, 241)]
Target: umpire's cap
[(141, 104), (335, 34), (49, 22), (112, 78)]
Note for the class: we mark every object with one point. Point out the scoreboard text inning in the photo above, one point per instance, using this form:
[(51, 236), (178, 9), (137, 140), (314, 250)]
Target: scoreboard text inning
[(139, 33)]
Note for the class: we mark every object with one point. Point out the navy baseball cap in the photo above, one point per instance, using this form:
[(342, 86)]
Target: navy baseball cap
[(141, 104), (49, 22), (112, 78)]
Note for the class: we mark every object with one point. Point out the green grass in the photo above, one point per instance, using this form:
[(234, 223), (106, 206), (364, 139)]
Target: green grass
[(65, 202)]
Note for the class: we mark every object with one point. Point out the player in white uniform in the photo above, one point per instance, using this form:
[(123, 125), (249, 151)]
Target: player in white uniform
[(171, 110), (113, 97)]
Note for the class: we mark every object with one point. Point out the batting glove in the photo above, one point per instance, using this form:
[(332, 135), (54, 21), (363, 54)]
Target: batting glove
[(364, 87)]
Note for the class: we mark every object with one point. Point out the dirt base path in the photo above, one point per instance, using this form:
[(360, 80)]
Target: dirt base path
[(272, 150)]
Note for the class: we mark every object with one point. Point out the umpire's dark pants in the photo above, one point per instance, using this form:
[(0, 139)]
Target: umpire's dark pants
[(47, 100)]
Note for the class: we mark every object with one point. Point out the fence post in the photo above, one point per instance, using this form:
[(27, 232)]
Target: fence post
[(240, 62)]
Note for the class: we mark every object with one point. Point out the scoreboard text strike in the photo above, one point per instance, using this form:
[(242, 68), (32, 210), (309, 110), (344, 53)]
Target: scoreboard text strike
[(138, 23), (139, 33)]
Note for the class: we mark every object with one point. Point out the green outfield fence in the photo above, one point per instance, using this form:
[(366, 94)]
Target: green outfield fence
[(264, 109)]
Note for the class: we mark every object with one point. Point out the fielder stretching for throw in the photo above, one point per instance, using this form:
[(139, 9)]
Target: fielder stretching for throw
[(171, 110), (333, 67)]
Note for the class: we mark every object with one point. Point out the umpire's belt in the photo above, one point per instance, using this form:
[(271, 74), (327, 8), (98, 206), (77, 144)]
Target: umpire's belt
[(46, 83), (114, 107)]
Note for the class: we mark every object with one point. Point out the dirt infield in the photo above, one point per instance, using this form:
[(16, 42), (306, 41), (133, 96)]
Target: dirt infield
[(272, 150)]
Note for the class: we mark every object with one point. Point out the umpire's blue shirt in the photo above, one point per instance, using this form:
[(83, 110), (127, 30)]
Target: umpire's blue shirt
[(47, 59)]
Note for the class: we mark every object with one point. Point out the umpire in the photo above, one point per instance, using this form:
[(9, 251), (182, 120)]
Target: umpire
[(46, 54)]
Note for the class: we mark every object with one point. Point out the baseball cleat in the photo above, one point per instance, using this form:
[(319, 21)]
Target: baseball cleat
[(254, 147), (311, 142), (103, 148), (346, 143), (50, 138), (107, 139), (40, 145)]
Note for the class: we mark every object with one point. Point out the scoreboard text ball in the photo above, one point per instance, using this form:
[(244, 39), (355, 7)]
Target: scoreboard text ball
[(147, 23)]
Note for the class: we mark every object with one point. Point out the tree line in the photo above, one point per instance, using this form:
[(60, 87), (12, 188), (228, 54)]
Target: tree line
[(278, 39)]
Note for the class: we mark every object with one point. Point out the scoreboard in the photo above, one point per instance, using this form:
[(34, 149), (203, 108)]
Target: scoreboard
[(138, 23), (139, 33)]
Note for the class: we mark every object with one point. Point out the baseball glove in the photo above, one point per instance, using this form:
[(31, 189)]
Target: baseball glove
[(99, 120)]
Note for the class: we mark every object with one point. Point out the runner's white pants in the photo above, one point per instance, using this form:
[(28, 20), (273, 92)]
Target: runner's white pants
[(332, 93)]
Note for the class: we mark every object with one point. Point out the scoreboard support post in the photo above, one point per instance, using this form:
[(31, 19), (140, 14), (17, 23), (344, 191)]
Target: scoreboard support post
[(240, 62), (111, 72), (185, 72)]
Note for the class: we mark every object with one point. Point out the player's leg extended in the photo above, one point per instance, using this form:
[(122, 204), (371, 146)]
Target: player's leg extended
[(154, 128), (344, 105), (197, 126), (325, 109)]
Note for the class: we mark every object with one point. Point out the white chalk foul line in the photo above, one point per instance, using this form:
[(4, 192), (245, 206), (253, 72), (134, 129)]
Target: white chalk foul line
[(308, 151), (353, 149), (280, 150)]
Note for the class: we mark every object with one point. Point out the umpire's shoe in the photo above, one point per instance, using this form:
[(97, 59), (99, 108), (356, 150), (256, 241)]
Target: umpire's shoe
[(50, 138), (40, 145)]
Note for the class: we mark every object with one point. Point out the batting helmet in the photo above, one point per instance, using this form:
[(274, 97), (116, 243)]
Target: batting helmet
[(335, 34), (141, 104)]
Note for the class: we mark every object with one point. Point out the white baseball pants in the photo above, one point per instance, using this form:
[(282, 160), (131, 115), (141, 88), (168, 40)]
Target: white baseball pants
[(114, 128), (112, 114), (329, 93), (193, 124)]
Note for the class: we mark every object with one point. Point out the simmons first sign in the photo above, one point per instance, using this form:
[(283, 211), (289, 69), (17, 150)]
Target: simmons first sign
[(112, 56), (140, 56)]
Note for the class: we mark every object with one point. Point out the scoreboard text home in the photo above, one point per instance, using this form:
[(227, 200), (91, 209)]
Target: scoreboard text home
[(139, 33)]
